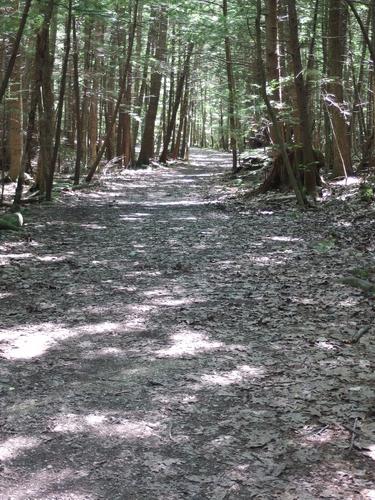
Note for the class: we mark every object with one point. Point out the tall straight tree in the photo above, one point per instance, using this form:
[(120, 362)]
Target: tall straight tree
[(44, 68), (231, 90), (341, 142), (178, 97), (60, 104), (148, 137), (272, 64), (121, 92), (302, 101)]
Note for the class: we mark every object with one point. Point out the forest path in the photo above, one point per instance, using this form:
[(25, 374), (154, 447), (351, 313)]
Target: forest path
[(157, 345)]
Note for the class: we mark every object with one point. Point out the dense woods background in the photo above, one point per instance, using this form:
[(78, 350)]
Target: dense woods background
[(132, 81)]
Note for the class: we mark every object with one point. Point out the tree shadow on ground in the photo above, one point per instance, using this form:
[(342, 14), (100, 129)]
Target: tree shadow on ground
[(176, 350)]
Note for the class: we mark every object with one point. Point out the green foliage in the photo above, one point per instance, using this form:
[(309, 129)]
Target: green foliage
[(367, 191)]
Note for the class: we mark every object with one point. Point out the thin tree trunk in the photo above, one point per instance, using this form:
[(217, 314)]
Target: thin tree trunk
[(60, 104), (77, 167), (122, 89), (337, 21), (15, 133), (179, 91), (17, 41), (231, 91)]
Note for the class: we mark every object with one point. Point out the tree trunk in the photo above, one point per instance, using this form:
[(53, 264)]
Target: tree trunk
[(148, 138), (231, 91), (14, 105), (77, 106), (122, 89), (341, 144), (16, 45), (272, 62), (179, 91), (46, 112), (60, 104), (301, 199), (302, 102)]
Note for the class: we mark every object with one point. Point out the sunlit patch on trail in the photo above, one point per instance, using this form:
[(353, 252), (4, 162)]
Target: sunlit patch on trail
[(93, 226), (236, 376), (322, 434), (52, 258), (32, 341), (104, 426), (15, 446), (29, 342), (370, 452), (41, 483), (189, 342), (283, 238), (368, 494), (326, 346)]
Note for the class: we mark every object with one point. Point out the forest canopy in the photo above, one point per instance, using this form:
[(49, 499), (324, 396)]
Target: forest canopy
[(132, 82)]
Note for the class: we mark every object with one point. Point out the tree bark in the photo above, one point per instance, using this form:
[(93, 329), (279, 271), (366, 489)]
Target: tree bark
[(13, 57), (77, 106), (45, 104), (60, 104), (231, 91), (122, 89), (148, 137), (341, 143), (301, 199), (302, 102), (179, 91)]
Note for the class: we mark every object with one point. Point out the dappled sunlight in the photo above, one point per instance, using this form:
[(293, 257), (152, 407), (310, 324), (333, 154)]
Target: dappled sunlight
[(368, 494), (52, 258), (309, 435), (104, 426), (162, 344), (40, 484), (189, 342), (180, 203), (349, 301), (326, 346), (35, 340), (93, 226), (240, 374), (286, 239), (14, 446), (30, 342), (17, 256), (370, 452)]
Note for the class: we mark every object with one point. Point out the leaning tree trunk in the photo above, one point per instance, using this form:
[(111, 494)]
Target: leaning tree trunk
[(301, 199), (16, 45)]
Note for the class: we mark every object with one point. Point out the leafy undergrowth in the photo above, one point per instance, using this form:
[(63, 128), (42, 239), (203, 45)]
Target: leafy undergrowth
[(161, 338)]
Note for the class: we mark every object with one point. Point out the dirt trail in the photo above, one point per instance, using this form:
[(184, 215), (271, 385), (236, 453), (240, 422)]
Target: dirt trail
[(157, 345)]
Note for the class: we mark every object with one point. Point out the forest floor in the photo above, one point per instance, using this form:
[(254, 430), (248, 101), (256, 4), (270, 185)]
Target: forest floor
[(160, 340)]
